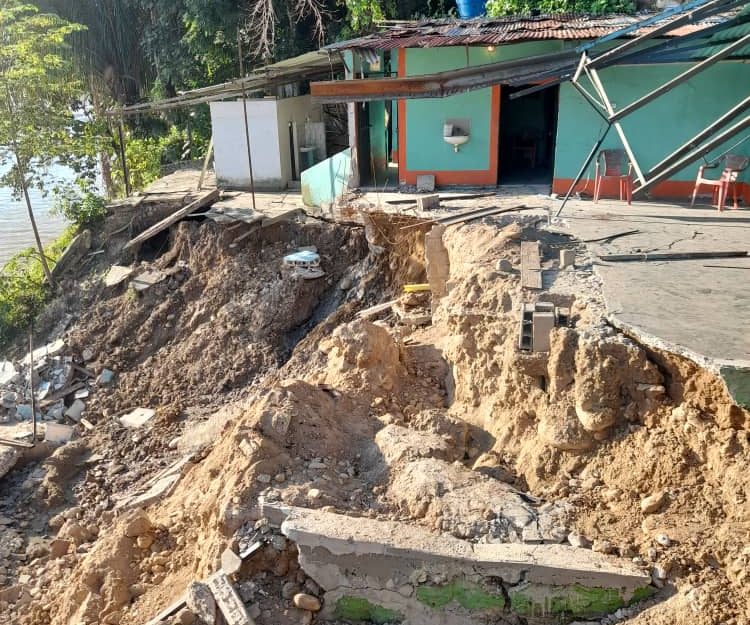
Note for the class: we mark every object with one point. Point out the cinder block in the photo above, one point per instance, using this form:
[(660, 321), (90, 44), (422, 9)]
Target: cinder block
[(428, 202), (567, 258), (426, 183), (544, 322)]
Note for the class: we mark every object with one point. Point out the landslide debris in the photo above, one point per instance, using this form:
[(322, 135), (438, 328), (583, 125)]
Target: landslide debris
[(448, 426)]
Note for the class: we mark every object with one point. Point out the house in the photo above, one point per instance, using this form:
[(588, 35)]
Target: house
[(436, 98)]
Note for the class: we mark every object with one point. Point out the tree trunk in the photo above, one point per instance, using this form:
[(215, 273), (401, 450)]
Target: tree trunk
[(32, 219)]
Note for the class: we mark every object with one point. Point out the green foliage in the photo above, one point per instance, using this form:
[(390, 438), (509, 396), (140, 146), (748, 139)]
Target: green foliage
[(22, 288), (80, 204), (497, 8)]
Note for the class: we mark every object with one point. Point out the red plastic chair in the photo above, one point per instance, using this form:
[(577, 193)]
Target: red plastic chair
[(610, 165), (734, 165)]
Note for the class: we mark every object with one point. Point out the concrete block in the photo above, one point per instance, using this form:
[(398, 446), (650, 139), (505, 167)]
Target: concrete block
[(76, 410), (137, 418), (544, 322), (567, 258), (428, 202), (437, 262), (58, 433), (425, 183), (228, 601)]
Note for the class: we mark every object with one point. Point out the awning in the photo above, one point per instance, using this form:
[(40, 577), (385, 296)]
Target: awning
[(439, 85), (310, 66)]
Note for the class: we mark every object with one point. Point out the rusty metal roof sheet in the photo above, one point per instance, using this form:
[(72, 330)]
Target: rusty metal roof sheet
[(498, 31)]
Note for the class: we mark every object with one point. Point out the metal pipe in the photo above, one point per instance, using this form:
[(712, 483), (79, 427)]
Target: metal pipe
[(681, 78), (585, 165), (694, 156), (700, 137), (244, 117)]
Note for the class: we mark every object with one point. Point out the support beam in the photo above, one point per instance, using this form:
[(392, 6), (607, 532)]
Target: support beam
[(206, 161), (695, 141), (694, 156), (580, 173), (596, 81), (681, 78), (706, 10)]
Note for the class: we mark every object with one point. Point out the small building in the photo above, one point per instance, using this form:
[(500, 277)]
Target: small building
[(441, 114)]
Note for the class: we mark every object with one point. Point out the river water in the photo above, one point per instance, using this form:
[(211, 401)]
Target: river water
[(15, 230)]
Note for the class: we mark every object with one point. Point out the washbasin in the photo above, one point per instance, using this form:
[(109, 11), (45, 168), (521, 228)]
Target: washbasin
[(456, 140)]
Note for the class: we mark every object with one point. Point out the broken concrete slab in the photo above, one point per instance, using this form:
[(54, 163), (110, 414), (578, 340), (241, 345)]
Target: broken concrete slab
[(46, 351), (8, 371), (138, 417), (228, 601), (58, 433), (567, 258), (367, 566), (428, 202), (147, 279), (8, 459), (159, 486), (73, 254), (105, 377), (117, 274), (426, 183), (76, 410)]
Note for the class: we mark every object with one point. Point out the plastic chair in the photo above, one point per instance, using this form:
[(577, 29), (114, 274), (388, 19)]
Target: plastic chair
[(734, 165), (610, 165)]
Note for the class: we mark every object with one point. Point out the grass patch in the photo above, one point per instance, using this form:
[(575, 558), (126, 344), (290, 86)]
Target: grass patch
[(23, 289)]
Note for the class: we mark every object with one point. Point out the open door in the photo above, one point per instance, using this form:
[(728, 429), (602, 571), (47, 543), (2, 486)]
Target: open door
[(528, 127)]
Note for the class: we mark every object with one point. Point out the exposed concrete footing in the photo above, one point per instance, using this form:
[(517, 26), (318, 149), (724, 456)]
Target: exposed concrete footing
[(382, 571)]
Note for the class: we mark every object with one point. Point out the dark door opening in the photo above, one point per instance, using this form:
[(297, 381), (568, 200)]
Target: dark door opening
[(528, 127)]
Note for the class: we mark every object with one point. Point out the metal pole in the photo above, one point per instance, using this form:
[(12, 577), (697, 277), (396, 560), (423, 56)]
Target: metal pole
[(597, 106), (700, 137), (123, 160), (585, 165), (594, 76), (244, 116), (31, 383), (695, 155), (681, 78)]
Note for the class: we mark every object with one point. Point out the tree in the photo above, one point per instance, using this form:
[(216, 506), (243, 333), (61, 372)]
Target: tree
[(37, 92)]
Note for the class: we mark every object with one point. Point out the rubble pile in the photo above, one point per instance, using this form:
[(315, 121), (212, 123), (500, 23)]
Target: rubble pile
[(261, 445)]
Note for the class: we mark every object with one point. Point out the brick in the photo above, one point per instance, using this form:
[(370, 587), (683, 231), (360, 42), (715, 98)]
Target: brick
[(567, 258)]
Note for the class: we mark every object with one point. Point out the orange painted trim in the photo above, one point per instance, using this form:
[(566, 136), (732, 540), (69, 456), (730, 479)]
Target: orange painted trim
[(669, 189), (484, 177)]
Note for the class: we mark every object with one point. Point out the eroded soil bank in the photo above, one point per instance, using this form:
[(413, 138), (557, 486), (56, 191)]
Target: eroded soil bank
[(269, 386)]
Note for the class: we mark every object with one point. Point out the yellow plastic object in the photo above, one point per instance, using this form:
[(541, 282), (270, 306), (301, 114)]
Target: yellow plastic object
[(416, 288)]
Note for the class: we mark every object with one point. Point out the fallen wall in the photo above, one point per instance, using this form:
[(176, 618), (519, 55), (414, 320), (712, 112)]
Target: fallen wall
[(384, 571)]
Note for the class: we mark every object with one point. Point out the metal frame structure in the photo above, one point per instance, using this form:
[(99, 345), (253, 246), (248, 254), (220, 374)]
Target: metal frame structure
[(700, 144)]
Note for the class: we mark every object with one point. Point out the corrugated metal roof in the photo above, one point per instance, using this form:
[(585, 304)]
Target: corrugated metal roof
[(498, 31)]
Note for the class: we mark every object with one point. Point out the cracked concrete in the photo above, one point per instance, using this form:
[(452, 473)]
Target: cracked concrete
[(403, 572)]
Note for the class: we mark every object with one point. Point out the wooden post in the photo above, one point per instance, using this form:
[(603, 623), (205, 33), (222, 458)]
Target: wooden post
[(206, 161), (123, 159), (244, 115)]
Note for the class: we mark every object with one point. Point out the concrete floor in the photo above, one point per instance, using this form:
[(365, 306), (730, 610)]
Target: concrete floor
[(695, 307)]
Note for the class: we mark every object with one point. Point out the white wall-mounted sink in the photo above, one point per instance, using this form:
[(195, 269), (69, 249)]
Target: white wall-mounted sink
[(456, 140)]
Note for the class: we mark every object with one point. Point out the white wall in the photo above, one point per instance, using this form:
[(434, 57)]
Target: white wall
[(296, 110), (230, 147)]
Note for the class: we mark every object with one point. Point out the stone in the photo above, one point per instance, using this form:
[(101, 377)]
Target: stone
[(138, 524), (663, 540), (603, 546), (230, 562), (116, 275), (313, 493), (504, 265), (653, 502), (228, 601), (185, 617), (307, 602), (138, 417), (200, 601), (87, 354), (145, 541), (578, 540), (105, 377), (263, 478), (289, 590)]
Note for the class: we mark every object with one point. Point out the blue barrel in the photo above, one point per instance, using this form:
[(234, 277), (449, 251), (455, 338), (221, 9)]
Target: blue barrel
[(471, 8)]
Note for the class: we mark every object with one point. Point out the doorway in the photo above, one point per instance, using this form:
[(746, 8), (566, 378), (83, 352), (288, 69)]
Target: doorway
[(528, 127)]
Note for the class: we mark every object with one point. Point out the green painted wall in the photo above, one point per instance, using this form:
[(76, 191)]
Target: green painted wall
[(659, 127), (325, 182), (425, 148)]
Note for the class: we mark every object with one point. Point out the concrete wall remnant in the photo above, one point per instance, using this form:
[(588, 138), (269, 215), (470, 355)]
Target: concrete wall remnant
[(437, 263), (384, 571)]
